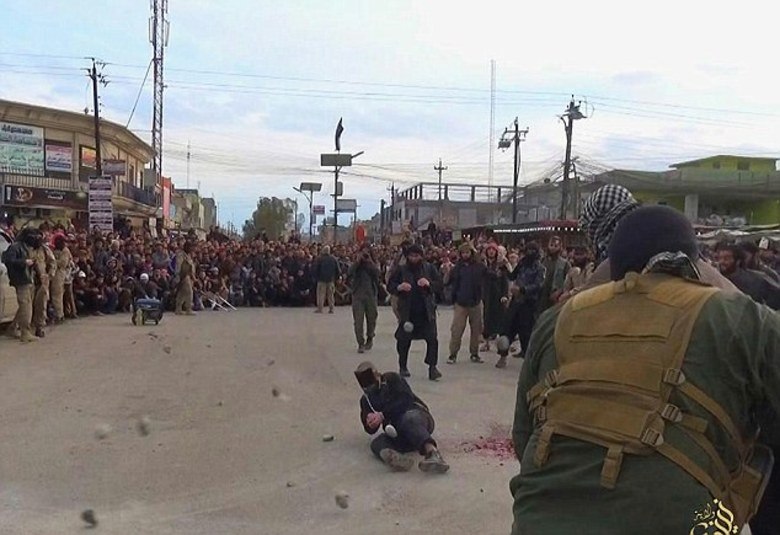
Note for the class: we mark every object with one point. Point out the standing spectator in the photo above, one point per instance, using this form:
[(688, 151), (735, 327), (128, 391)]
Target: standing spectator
[(753, 261), (495, 293), (44, 269), (529, 278), (185, 268), (68, 299), (556, 270), (580, 272), (326, 271), (466, 281), (363, 279), (416, 283), (20, 263), (731, 261), (63, 259)]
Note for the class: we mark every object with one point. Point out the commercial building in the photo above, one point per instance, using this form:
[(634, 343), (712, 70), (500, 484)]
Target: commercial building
[(716, 191), (47, 156)]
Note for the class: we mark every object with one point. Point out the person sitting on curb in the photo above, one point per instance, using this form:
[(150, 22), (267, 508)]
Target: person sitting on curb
[(405, 420)]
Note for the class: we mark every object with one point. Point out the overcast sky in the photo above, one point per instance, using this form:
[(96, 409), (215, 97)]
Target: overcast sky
[(257, 87)]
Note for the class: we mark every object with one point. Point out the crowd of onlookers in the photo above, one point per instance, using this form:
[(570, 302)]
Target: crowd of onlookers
[(105, 273)]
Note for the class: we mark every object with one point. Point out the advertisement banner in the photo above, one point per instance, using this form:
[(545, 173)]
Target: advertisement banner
[(166, 197), (318, 209), (114, 167), (59, 157), (21, 149), (44, 198), (88, 157), (101, 210)]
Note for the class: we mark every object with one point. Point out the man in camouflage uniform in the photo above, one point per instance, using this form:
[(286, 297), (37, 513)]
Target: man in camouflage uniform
[(44, 269), (185, 268)]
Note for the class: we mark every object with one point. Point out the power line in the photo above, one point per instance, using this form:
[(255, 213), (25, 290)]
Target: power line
[(138, 96)]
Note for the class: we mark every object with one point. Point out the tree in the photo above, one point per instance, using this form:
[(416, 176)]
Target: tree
[(271, 216)]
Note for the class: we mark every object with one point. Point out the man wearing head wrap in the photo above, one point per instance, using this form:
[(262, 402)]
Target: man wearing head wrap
[(416, 283), (519, 320), (644, 396), (599, 218)]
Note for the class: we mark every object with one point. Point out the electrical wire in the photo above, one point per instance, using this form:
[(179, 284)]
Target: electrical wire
[(140, 90)]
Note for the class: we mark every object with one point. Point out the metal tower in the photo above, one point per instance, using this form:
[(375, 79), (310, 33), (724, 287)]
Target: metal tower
[(158, 36), (491, 144)]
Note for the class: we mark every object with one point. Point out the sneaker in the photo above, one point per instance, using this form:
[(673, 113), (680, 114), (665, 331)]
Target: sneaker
[(433, 464), (39, 332), (318, 311), (405, 372), (476, 358), (369, 344), (434, 374), (484, 347), (330, 311), (398, 462), (361, 348), (452, 359), (501, 362)]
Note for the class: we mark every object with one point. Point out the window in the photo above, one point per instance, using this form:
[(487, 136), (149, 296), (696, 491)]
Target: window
[(743, 165)]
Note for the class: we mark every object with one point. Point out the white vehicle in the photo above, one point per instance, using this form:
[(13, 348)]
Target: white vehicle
[(8, 304)]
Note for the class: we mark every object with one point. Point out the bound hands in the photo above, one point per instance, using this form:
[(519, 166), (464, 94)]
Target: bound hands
[(404, 287), (423, 283), (375, 419)]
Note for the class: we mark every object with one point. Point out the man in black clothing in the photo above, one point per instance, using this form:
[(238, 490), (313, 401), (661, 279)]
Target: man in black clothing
[(759, 287), (416, 284), (466, 281), (406, 422)]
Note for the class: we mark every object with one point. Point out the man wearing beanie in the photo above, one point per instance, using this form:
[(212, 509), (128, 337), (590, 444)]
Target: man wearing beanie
[(466, 282), (416, 284), (639, 400)]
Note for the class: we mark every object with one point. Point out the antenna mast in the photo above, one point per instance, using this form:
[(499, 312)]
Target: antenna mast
[(158, 36)]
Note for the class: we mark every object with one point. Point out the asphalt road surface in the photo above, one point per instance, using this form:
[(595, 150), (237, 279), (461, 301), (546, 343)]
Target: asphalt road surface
[(222, 453)]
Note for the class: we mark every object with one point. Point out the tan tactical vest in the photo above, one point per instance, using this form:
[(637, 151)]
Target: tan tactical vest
[(620, 349)]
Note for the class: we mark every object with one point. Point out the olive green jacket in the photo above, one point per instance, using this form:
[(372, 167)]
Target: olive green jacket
[(733, 355)]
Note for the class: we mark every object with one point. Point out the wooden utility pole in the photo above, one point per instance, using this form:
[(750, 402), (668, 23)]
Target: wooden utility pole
[(440, 168)]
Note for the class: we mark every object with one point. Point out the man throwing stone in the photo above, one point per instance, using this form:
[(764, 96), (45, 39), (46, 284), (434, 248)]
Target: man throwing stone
[(416, 284), (406, 422)]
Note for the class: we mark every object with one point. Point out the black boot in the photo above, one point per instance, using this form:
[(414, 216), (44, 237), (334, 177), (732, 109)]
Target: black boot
[(405, 372), (434, 374)]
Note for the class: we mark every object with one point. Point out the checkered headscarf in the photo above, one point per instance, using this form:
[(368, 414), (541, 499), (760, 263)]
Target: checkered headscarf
[(601, 213)]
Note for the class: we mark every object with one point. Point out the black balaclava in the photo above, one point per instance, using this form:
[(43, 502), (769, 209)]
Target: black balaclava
[(647, 232)]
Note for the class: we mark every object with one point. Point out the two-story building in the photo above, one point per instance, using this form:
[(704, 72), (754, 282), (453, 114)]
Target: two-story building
[(47, 156)]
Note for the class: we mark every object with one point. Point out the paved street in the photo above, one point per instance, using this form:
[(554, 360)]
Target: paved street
[(223, 454)]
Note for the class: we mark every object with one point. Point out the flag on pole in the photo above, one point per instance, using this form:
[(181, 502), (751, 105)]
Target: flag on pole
[(339, 130)]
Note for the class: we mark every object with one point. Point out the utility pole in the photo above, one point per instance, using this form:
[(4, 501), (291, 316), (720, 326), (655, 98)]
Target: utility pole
[(93, 74), (569, 195), (517, 137), (382, 217), (440, 169)]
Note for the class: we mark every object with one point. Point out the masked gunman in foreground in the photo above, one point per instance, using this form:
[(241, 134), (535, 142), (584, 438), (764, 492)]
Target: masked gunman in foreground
[(405, 421), (640, 401)]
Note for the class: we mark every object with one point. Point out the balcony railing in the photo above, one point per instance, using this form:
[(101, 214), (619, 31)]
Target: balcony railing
[(43, 182), (134, 193)]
